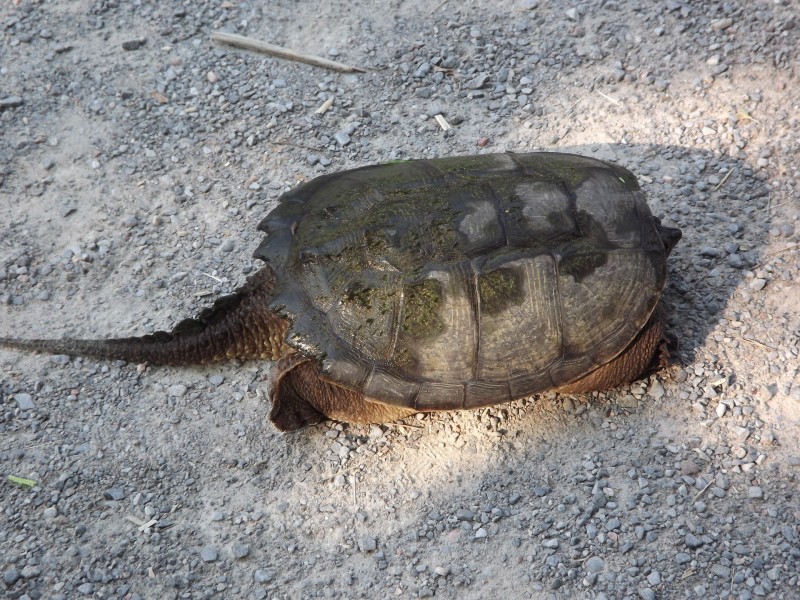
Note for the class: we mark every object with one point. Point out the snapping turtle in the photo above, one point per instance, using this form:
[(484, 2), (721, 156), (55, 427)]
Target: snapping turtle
[(433, 285)]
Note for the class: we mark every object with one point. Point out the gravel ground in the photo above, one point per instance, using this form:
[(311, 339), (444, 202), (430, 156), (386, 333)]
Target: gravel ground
[(136, 159)]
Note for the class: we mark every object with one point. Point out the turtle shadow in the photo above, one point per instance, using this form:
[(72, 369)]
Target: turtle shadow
[(721, 204)]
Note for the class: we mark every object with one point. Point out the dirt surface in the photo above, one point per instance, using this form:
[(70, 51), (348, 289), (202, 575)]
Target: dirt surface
[(136, 160)]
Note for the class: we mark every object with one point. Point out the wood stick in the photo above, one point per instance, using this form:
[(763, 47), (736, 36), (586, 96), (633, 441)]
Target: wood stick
[(247, 43)]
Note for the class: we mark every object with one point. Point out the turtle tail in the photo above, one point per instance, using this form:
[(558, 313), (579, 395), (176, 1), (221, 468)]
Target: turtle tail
[(240, 325)]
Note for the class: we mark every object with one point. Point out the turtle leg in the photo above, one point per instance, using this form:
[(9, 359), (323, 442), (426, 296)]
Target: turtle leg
[(647, 353), (302, 397)]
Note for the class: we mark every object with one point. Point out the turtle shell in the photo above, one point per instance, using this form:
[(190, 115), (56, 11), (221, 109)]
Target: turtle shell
[(466, 281)]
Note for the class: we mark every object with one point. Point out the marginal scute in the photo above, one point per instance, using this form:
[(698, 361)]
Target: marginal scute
[(464, 281)]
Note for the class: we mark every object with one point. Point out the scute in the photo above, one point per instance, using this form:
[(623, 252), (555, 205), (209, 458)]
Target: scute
[(459, 282)]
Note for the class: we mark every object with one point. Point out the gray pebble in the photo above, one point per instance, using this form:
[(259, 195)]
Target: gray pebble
[(595, 565), (647, 594), (24, 401), (208, 554), (240, 550), (682, 558), (114, 493), (478, 82), (757, 284), (422, 70), (31, 571), (263, 576), (312, 159), (654, 578), (227, 246), (333, 52), (11, 576), (424, 92), (571, 14), (131, 45), (462, 514), (481, 533), (736, 261), (692, 541), (87, 589), (755, 491), (177, 390), (10, 102), (709, 251), (216, 379), (367, 544), (50, 512), (342, 138)]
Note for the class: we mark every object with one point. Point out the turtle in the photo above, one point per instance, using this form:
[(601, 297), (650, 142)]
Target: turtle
[(438, 284)]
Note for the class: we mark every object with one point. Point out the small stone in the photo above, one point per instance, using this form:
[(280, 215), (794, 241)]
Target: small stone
[(721, 24), (758, 284), (114, 493), (367, 544), (462, 514), (481, 533), (721, 409), (441, 571), (572, 14), (682, 558), (263, 576), (11, 102), (647, 594), (133, 44), (755, 491), (240, 550), (24, 401), (208, 554), (87, 589), (654, 578), (483, 141), (424, 92), (212, 77), (11, 576), (312, 159), (333, 52), (31, 571), (342, 138), (709, 251), (177, 390), (595, 565), (50, 512), (217, 516), (478, 82), (692, 541), (227, 246), (551, 543), (216, 379), (422, 70)]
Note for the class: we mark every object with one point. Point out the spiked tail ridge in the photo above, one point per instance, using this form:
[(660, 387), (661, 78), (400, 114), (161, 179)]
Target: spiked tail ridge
[(240, 325)]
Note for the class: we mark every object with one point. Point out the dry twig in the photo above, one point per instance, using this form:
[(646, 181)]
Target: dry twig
[(247, 43)]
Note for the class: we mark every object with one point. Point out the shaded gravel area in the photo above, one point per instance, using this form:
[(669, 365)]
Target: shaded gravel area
[(136, 160)]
